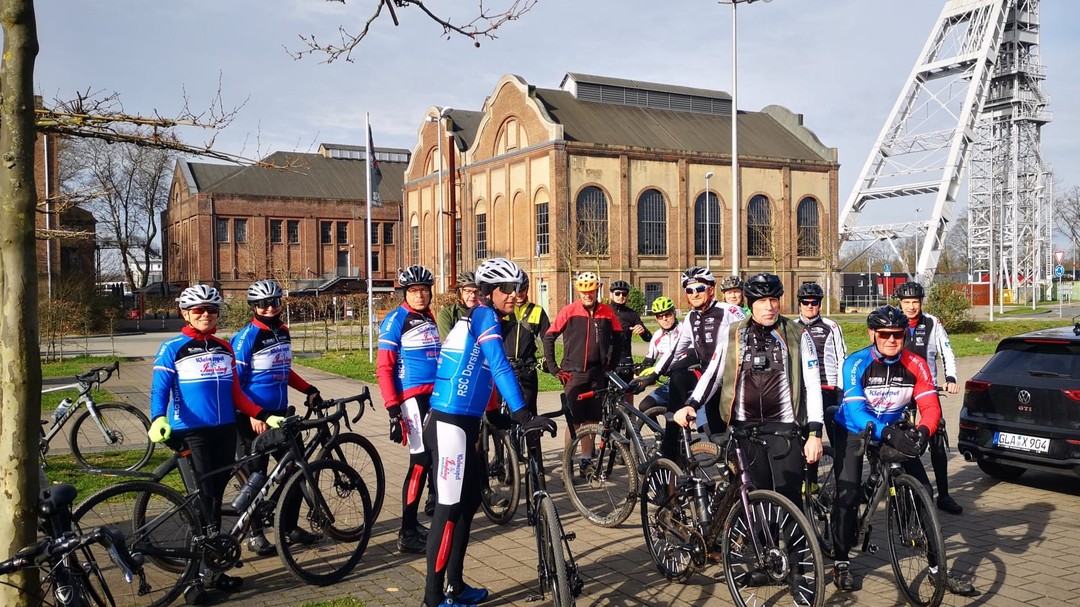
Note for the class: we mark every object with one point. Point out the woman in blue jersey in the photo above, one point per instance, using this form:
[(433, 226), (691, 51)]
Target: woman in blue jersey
[(471, 360), (192, 401), (264, 367)]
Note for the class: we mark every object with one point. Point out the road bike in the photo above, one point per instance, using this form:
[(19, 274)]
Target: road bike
[(712, 513), (103, 434), (320, 511)]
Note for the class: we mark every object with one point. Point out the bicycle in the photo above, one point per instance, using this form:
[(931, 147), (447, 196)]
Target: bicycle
[(105, 432), (916, 544), (72, 574), (768, 549), (321, 512)]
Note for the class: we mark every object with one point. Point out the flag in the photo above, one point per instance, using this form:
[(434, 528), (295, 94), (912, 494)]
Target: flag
[(374, 173)]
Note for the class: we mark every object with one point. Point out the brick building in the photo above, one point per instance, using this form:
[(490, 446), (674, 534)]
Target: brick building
[(65, 265), (610, 175), (302, 222)]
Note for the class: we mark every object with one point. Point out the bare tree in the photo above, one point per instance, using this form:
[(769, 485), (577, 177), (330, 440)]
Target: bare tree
[(1067, 216), (592, 235)]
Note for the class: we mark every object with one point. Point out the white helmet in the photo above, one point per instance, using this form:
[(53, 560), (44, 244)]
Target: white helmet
[(498, 271), (697, 274), (263, 289), (199, 295)]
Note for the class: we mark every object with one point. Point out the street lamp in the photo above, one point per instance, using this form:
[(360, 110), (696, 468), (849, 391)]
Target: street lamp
[(735, 134), (917, 251), (441, 254), (708, 223)]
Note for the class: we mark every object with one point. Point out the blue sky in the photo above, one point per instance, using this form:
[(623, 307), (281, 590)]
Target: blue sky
[(841, 63)]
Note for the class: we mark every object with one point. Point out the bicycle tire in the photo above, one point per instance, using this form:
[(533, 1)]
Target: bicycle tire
[(342, 541), (503, 480), (552, 557), (818, 504), (157, 522), (792, 569), (668, 522), (607, 493), (359, 453), (126, 424), (913, 525), (651, 442)]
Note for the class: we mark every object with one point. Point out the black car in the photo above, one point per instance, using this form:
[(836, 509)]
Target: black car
[(1022, 409)]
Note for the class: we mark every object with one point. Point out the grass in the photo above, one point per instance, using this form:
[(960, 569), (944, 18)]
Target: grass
[(70, 367), (62, 468), (51, 399), (980, 342), (345, 601)]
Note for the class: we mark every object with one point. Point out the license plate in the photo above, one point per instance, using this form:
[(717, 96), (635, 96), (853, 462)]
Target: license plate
[(1021, 442)]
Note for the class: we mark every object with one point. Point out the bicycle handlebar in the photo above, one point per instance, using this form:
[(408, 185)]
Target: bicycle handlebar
[(98, 375), (48, 549), (615, 384)]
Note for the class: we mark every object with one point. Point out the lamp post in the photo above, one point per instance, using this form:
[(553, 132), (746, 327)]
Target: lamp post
[(442, 253), (917, 251), (708, 223)]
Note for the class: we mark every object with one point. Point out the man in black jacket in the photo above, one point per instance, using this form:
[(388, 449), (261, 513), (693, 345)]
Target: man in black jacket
[(628, 318)]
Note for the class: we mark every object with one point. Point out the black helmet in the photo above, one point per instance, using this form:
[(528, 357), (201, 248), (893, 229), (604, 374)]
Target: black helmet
[(524, 288), (697, 274), (619, 285), (731, 282), (810, 290), (466, 279), (760, 286), (415, 275), (887, 317), (908, 290)]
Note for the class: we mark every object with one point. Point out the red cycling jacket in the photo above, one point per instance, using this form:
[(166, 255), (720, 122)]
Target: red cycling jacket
[(589, 338)]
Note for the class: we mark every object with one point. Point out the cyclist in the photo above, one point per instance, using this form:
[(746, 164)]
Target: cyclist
[(628, 318), (468, 295), (879, 381), (472, 357), (521, 330), (264, 367), (193, 395), (928, 339), (408, 356), (765, 370), (829, 345), (662, 342), (732, 289), (591, 347)]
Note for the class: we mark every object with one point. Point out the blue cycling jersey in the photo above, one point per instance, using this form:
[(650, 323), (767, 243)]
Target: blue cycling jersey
[(408, 354), (264, 363), (878, 389), (471, 358)]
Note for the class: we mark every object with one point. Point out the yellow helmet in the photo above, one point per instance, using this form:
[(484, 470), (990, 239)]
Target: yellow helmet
[(587, 281)]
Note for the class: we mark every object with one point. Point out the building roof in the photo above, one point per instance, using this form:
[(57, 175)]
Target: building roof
[(464, 125)]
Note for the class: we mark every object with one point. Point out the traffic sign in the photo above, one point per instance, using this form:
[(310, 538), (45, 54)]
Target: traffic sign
[(887, 268), (1059, 256), (1059, 270)]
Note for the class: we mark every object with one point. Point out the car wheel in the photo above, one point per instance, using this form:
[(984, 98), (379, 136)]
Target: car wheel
[(1002, 472)]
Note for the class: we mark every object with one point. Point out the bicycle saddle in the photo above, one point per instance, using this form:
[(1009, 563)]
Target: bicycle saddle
[(56, 497)]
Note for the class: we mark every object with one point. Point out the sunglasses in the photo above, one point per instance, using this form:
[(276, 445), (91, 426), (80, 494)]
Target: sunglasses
[(890, 335), (618, 293), (810, 302), (665, 314), (273, 302), (204, 310), (696, 289), (509, 288)]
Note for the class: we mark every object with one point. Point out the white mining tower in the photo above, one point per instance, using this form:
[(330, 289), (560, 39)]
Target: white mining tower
[(974, 96)]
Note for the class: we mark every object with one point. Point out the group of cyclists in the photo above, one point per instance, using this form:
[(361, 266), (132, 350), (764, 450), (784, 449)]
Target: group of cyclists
[(731, 361)]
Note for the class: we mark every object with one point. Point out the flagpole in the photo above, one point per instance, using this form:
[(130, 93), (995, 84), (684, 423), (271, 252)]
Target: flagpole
[(367, 240)]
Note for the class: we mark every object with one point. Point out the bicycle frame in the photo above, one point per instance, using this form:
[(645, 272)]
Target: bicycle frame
[(85, 383)]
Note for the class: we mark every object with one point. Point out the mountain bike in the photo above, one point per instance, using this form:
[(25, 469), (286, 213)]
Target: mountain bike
[(712, 513), (916, 544), (321, 513), (104, 433), (71, 571)]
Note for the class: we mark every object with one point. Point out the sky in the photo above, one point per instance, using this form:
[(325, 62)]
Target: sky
[(840, 63)]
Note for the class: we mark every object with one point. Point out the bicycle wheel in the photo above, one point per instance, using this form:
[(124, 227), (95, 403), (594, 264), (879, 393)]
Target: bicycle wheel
[(553, 573), (501, 489), (605, 491), (818, 502), (158, 523), (789, 569), (671, 535), (916, 545), (362, 456), (651, 439), (116, 439), (323, 528)]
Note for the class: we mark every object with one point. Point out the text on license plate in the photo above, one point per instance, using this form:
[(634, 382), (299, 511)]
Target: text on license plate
[(1021, 442)]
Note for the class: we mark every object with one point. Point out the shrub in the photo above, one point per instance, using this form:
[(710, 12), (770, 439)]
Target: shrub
[(636, 300), (947, 301)]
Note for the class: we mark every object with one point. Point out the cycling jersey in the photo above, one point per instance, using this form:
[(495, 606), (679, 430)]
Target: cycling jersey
[(829, 345), (664, 342), (522, 328), (408, 354), (195, 383), (589, 338), (264, 364), (700, 329), (471, 358), (877, 389), (927, 338)]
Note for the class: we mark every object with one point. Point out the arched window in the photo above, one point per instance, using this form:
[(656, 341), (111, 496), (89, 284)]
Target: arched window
[(652, 223), (759, 237), (592, 221), (809, 225), (707, 217), (414, 237)]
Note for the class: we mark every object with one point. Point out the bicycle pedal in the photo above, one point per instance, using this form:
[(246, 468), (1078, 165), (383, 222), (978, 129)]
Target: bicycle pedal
[(532, 598), (871, 549), (570, 536)]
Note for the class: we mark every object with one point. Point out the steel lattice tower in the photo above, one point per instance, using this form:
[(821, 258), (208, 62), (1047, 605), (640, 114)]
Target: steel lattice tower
[(973, 96)]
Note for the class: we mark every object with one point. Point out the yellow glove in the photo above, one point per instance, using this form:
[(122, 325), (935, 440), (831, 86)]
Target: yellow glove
[(647, 371), (160, 430), (274, 421)]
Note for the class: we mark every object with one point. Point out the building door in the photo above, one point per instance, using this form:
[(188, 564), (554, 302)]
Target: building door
[(652, 291), (343, 263)]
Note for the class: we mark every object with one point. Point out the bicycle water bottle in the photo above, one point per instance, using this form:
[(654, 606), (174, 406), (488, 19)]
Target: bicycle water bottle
[(62, 409), (701, 500), (870, 487), (254, 484)]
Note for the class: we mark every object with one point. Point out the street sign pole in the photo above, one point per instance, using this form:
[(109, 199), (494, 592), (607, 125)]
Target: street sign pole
[(1059, 273)]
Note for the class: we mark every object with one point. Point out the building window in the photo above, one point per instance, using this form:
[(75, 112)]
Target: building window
[(239, 230), (592, 221), (293, 232), (414, 232), (543, 241), (374, 233), (652, 224), (707, 223), (388, 233), (459, 245), (326, 232), (481, 236), (223, 230), (342, 232), (275, 231), (809, 228), (374, 261), (759, 237)]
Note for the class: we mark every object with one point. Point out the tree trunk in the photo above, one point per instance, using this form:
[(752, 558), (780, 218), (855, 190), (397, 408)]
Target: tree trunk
[(20, 365)]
